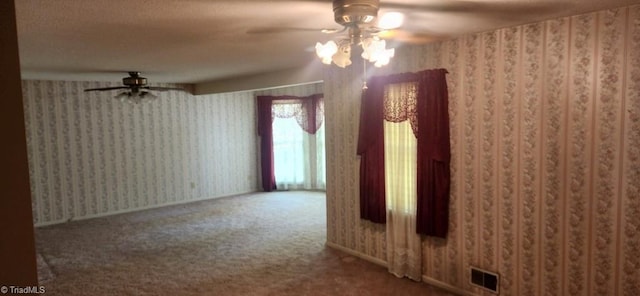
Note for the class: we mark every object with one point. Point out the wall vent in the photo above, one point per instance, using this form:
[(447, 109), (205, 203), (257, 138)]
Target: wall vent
[(484, 279)]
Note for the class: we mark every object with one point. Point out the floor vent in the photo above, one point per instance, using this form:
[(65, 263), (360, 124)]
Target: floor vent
[(484, 279)]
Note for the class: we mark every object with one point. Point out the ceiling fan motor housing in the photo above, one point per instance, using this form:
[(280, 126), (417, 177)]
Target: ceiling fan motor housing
[(355, 12), (134, 79)]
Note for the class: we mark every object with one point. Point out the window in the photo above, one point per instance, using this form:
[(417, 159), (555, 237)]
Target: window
[(400, 146), (400, 166), (433, 148), (404, 251), (299, 155), (291, 132), (288, 153)]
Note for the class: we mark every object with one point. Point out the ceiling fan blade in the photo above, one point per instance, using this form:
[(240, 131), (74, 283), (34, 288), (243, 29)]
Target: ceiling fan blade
[(487, 9), (448, 6), (133, 86), (160, 88), (106, 88), (470, 6), (408, 37), (275, 30), (435, 6)]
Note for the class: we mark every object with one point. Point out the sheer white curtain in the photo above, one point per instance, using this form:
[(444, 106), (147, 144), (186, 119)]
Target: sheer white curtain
[(289, 154), (404, 254), (299, 157)]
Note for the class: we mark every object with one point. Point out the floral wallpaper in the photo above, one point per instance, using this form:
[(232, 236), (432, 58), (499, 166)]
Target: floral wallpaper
[(92, 155), (545, 134)]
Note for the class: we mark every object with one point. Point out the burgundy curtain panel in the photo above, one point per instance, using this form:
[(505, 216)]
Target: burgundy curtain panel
[(434, 154), (309, 117), (265, 131), (371, 151), (433, 150)]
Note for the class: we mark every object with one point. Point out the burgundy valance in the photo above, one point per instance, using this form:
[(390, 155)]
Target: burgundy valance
[(308, 111)]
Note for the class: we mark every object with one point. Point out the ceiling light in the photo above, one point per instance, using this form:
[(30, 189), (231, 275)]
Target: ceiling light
[(373, 49), (342, 58), (136, 97), (357, 17), (376, 52), (326, 51)]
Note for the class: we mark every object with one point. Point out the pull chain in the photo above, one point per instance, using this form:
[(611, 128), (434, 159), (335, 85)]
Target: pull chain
[(364, 75)]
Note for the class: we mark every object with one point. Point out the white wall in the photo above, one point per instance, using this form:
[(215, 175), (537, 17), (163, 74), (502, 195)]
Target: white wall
[(301, 90)]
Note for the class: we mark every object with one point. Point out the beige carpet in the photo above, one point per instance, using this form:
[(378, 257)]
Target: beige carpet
[(257, 244)]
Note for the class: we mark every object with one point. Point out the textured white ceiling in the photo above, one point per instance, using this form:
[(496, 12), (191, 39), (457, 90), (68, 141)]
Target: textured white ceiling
[(195, 41)]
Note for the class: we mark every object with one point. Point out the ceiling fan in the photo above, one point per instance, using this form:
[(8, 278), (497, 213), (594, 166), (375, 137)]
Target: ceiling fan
[(361, 13), (359, 19), (136, 88)]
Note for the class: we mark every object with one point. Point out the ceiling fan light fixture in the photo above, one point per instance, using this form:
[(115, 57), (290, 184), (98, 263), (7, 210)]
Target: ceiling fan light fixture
[(326, 51), (342, 58), (136, 97), (357, 16), (122, 96), (375, 51), (147, 95), (384, 58)]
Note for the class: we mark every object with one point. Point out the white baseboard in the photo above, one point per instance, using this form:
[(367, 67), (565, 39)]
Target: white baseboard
[(426, 279), (357, 254), (123, 211)]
